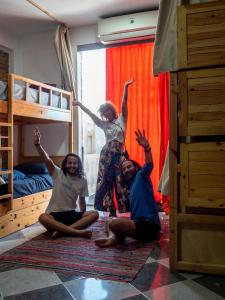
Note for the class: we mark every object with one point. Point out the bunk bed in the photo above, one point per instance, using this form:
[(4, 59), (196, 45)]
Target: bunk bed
[(25, 101)]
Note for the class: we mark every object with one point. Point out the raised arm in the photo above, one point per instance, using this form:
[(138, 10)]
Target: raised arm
[(95, 118), (143, 142), (42, 153), (124, 99)]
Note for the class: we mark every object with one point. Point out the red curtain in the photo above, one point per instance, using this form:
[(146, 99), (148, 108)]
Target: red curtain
[(147, 100)]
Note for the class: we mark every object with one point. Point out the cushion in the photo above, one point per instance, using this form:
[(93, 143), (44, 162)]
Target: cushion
[(17, 175), (32, 168)]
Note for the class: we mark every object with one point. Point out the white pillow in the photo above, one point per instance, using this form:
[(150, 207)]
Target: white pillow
[(3, 86), (2, 181)]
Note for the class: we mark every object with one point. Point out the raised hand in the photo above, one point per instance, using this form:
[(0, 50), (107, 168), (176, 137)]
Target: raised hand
[(37, 136), (141, 139), (128, 82)]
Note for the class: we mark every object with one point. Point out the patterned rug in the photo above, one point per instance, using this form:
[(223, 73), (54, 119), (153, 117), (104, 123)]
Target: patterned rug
[(80, 256)]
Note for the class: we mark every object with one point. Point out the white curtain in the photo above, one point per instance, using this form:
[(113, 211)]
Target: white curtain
[(65, 57)]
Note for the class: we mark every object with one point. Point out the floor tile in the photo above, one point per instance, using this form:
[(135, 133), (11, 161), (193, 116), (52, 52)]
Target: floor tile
[(32, 231), (57, 292), (24, 280), (160, 250), (95, 289), (150, 260), (16, 235), (213, 282), (10, 244), (153, 276), (184, 290), (137, 297), (190, 275), (66, 277), (164, 261), (7, 266)]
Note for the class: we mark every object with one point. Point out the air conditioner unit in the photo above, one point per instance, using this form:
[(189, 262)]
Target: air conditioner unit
[(128, 27)]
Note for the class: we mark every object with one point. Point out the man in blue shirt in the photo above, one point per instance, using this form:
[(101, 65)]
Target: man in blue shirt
[(144, 224)]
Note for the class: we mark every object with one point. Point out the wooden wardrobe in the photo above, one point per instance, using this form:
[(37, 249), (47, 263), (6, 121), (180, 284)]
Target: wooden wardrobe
[(197, 141)]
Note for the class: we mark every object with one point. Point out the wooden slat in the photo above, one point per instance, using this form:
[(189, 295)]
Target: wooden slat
[(173, 185), (5, 196), (202, 102), (5, 172), (14, 221), (5, 124), (183, 102), (30, 200), (6, 148), (41, 112), (201, 35), (182, 36), (201, 268)]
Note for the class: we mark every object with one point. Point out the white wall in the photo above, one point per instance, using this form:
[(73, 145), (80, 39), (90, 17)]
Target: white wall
[(35, 57), (40, 63), (39, 57), (11, 42)]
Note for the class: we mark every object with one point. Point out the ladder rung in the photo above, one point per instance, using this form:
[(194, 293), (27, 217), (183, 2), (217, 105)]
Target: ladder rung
[(5, 124), (5, 196), (6, 172), (6, 148)]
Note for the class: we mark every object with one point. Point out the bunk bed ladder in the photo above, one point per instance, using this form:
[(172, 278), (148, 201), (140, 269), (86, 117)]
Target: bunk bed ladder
[(6, 148)]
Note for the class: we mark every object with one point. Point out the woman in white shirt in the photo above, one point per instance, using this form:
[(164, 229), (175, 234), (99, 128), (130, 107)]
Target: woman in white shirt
[(114, 127)]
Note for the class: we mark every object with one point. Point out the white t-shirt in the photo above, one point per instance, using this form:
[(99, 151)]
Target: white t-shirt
[(66, 190), (114, 130)]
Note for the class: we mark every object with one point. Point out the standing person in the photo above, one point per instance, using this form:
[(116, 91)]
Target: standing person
[(69, 183), (114, 127), (144, 224)]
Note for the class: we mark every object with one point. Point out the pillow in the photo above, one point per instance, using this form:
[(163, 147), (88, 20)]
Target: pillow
[(17, 175), (2, 181), (32, 168)]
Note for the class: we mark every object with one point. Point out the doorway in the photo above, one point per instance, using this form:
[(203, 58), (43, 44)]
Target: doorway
[(91, 83)]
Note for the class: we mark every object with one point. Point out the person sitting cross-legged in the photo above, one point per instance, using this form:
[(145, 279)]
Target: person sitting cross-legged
[(69, 183), (144, 224)]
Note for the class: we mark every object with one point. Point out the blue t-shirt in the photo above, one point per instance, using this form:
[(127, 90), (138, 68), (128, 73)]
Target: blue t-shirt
[(142, 201)]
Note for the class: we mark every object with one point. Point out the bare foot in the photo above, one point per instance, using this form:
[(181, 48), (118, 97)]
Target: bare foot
[(102, 243), (83, 233)]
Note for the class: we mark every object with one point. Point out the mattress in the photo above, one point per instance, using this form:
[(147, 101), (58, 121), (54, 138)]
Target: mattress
[(33, 93), (29, 185)]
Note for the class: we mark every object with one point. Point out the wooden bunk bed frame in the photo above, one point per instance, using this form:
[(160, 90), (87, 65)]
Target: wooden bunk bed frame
[(16, 214)]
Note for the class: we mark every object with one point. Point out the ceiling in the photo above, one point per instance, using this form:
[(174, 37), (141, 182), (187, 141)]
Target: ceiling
[(21, 17)]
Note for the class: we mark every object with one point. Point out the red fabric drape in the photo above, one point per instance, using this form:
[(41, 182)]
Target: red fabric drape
[(147, 100)]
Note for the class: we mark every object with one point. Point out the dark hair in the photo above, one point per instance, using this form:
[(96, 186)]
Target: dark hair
[(136, 165), (79, 171), (109, 105)]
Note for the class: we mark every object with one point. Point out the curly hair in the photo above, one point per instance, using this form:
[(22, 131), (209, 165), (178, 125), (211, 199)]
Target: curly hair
[(79, 171), (107, 105), (136, 165)]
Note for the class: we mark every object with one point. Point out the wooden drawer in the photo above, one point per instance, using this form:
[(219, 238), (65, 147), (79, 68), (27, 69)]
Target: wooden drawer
[(201, 102), (201, 34), (201, 243), (202, 177)]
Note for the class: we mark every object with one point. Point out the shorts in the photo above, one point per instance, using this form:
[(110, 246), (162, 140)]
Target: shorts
[(67, 217), (146, 230)]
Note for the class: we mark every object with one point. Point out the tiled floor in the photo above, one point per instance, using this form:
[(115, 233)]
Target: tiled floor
[(153, 282)]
